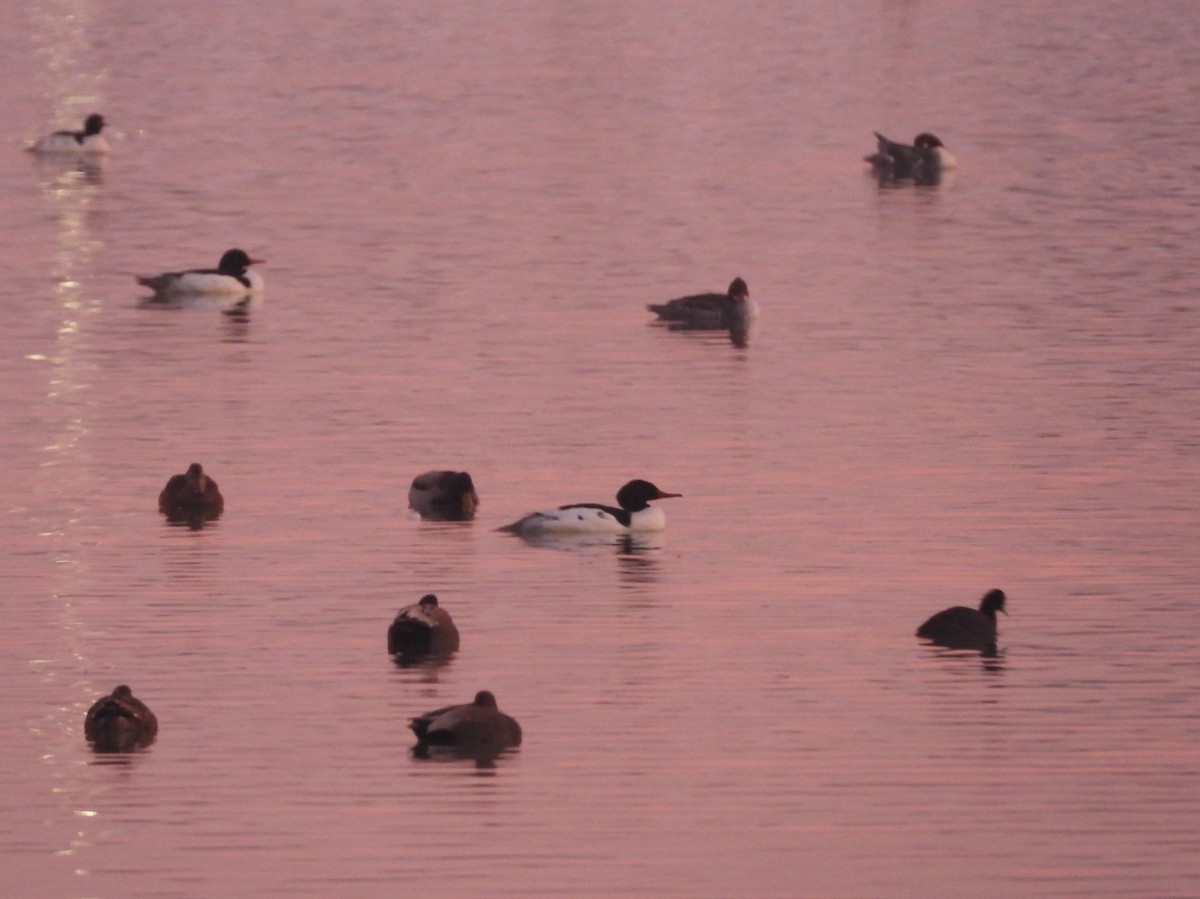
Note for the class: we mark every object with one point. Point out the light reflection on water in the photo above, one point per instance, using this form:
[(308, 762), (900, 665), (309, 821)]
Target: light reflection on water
[(989, 383)]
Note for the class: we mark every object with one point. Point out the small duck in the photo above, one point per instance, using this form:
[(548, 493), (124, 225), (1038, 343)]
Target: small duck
[(231, 280), (477, 728), (635, 514), (422, 629), (709, 311), (191, 494), (89, 141), (119, 722), (444, 496), (964, 628), (924, 161)]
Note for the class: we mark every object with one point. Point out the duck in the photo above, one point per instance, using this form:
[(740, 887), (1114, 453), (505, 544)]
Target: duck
[(89, 141), (424, 628), (709, 311), (924, 160), (443, 496), (193, 493), (119, 722), (634, 515), (961, 627), (231, 280), (474, 728)]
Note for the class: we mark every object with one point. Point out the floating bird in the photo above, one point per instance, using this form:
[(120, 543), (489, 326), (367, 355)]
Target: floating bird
[(424, 628), (710, 311), (963, 628), (119, 722), (231, 281), (477, 728), (444, 496), (924, 161), (89, 141), (193, 494), (635, 514)]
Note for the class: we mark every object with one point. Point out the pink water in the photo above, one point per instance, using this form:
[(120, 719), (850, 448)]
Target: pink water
[(464, 212)]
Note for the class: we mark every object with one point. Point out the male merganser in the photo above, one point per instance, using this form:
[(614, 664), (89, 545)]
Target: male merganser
[(231, 279), (119, 722), (193, 494), (474, 728), (710, 311), (635, 514), (963, 628), (424, 628), (444, 496), (88, 141), (923, 161)]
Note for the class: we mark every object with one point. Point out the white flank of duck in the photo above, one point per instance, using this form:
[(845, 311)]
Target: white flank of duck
[(88, 141), (231, 279), (634, 514)]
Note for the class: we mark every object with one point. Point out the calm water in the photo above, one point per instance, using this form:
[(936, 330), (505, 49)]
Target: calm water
[(464, 211)]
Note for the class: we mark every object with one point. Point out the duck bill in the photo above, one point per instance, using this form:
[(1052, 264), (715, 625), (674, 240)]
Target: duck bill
[(258, 262), (662, 495)]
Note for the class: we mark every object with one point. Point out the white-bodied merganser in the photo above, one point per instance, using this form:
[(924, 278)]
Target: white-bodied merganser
[(443, 496), (192, 494), (231, 279), (923, 161), (635, 514), (964, 628), (119, 722), (710, 311), (88, 141), (475, 728), (424, 628)]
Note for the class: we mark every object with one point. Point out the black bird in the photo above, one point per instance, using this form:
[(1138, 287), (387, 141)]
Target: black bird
[(964, 628), (709, 311)]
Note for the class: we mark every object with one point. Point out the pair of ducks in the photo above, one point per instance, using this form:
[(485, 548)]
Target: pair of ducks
[(451, 496), (425, 628), (231, 280), (120, 722), (478, 728)]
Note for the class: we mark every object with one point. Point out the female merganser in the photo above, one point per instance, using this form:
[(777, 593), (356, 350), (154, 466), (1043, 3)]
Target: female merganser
[(963, 628), (635, 514), (709, 311), (424, 628), (475, 728), (119, 722), (444, 496), (89, 140), (231, 279), (923, 161), (193, 494)]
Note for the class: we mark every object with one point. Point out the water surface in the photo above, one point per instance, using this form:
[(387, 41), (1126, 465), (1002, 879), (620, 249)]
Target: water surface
[(464, 213)]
